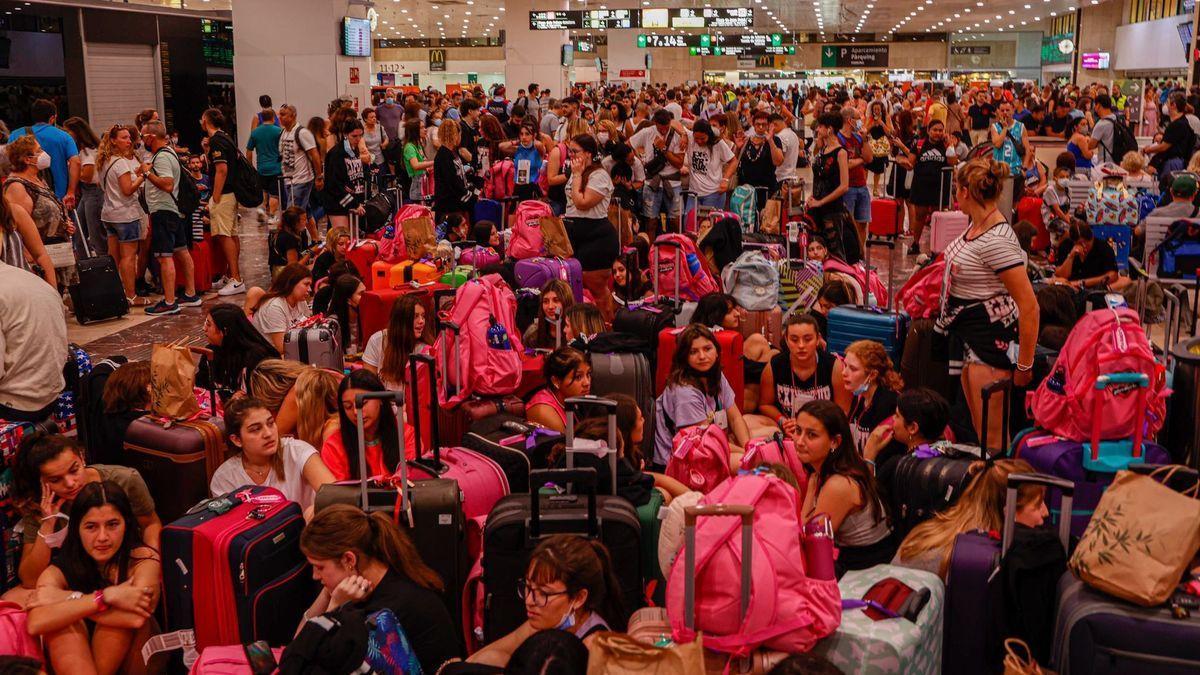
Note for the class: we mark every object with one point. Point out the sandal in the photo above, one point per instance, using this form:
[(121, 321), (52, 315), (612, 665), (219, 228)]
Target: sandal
[(138, 301)]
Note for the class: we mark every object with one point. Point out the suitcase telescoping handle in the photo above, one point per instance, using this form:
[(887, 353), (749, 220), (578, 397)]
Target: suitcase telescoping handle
[(387, 398), (580, 477), (83, 237), (1105, 381), (654, 262), (456, 335), (1004, 386), (1016, 480), (891, 276), (690, 514), (435, 465), (572, 405)]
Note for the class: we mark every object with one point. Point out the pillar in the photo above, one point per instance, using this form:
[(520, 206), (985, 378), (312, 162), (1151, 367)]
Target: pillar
[(291, 50), (624, 55), (533, 55)]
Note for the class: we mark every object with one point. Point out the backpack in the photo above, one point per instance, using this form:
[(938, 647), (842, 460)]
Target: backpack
[(244, 180), (775, 450), (350, 640), (1179, 253), (1102, 342), (753, 281), (788, 611), (695, 281), (1110, 203), (744, 202), (543, 179), (921, 295), (1123, 141), (1147, 202), (479, 257), (527, 241), (484, 356), (799, 283), (189, 192), (699, 457), (392, 247), (864, 281), (500, 181), (15, 639)]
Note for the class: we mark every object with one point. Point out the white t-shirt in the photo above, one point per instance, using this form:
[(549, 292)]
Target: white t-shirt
[(675, 110), (277, 316), (601, 182), (231, 475), (297, 169), (975, 264), (373, 355), (643, 143), (791, 152), (87, 157), (707, 165), (119, 208)]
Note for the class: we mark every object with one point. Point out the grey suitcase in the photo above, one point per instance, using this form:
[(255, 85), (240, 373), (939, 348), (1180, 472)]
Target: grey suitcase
[(628, 374), (319, 344)]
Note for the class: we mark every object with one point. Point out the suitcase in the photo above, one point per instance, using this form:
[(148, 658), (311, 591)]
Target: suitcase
[(628, 374), (514, 433), (431, 510), (645, 319), (848, 323), (1097, 634), (375, 306), (974, 597), (922, 485), (945, 227), (535, 272), (394, 275), (518, 522), (317, 343), (897, 646), (98, 294), (483, 477), (362, 255), (489, 209), (177, 462), (240, 555), (767, 323), (920, 366), (732, 367), (202, 268), (885, 221), (227, 660)]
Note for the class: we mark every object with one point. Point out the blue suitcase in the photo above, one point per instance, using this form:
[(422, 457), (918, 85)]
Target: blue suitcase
[(489, 209), (849, 323)]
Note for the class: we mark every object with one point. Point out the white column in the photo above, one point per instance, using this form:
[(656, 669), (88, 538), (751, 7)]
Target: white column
[(291, 50), (623, 54), (533, 56)]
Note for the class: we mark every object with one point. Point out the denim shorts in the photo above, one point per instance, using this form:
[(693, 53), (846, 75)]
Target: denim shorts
[(653, 198), (126, 233), (858, 202), (299, 194)]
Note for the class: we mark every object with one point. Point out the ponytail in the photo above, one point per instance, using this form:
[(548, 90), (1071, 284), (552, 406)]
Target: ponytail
[(395, 548), (341, 528)]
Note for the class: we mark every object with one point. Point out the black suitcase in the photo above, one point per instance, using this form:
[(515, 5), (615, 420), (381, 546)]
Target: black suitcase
[(90, 412), (429, 509), (514, 433), (517, 523), (98, 294), (645, 319)]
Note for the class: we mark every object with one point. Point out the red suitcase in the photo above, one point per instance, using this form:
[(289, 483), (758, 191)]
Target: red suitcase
[(885, 221), (375, 307), (1030, 209), (202, 265), (730, 342), (362, 254), (218, 265), (176, 461)]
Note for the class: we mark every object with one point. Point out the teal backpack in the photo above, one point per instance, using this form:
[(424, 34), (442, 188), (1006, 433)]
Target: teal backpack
[(744, 203)]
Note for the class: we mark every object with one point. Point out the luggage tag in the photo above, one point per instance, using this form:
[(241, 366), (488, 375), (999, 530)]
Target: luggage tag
[(721, 419), (169, 642), (523, 171)]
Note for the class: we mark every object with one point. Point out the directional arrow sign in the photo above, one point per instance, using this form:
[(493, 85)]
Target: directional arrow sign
[(828, 58)]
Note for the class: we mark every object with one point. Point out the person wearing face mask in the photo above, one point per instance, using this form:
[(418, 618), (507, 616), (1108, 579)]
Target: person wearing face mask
[(49, 473), (527, 156), (1056, 204), (22, 234), (366, 563), (64, 164), (390, 114), (1078, 134), (868, 375), (345, 179)]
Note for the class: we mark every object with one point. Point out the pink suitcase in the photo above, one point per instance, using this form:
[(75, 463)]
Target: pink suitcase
[(945, 227), (227, 660)]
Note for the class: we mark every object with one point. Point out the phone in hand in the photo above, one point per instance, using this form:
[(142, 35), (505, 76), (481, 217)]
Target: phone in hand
[(261, 659)]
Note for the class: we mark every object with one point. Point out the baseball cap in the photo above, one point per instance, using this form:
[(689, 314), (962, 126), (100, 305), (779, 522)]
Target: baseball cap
[(1184, 185)]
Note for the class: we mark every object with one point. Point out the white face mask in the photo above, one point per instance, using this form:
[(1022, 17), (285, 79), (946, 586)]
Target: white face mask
[(43, 161), (602, 137), (56, 540)]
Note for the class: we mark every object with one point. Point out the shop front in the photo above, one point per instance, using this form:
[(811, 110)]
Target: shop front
[(978, 59)]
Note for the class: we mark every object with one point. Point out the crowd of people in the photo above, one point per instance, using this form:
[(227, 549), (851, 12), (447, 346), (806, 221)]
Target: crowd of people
[(90, 570)]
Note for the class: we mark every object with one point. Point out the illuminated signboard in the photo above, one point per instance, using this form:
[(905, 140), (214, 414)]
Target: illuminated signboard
[(766, 44), (356, 37), (576, 19), (611, 18), (712, 17), (555, 20)]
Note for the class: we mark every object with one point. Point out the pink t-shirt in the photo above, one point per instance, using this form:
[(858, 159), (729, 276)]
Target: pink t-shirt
[(544, 397)]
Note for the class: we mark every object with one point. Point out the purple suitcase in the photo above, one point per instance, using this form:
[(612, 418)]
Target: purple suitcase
[(1066, 459), (973, 593), (535, 272)]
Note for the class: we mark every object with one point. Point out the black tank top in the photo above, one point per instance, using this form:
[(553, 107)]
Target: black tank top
[(792, 391)]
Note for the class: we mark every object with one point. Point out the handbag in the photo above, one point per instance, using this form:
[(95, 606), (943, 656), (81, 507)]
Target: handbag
[(620, 654), (61, 254), (1018, 660), (173, 382), (1141, 538)]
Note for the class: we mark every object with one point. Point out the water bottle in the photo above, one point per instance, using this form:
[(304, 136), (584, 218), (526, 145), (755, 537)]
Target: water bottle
[(818, 547), (693, 263)]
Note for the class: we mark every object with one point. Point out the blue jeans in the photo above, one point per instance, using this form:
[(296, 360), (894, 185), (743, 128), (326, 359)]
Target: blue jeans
[(653, 200), (299, 194), (857, 201), (715, 201)]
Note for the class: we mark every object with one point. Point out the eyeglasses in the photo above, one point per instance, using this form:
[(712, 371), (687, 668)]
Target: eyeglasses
[(534, 595)]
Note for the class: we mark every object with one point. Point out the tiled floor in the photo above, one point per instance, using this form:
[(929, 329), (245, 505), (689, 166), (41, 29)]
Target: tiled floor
[(135, 334)]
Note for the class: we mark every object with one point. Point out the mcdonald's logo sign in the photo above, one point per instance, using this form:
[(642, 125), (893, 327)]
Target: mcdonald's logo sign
[(764, 61), (437, 60)]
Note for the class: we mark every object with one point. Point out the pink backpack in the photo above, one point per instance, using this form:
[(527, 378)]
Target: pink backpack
[(393, 249), (543, 179), (788, 611), (15, 639), (479, 257), (1103, 342), (695, 281), (527, 230), (700, 457), (866, 280), (484, 356), (500, 180), (921, 295), (226, 660), (775, 450)]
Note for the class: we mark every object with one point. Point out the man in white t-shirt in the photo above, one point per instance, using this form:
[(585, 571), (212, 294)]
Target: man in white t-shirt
[(709, 165), (301, 162), (661, 192), (33, 345), (673, 106), (791, 148)]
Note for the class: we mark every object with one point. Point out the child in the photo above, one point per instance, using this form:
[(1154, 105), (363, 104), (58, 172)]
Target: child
[(1056, 204), (286, 243), (1136, 176)]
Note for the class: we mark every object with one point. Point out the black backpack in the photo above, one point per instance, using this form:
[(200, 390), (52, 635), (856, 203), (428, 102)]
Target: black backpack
[(244, 181), (1123, 141), (189, 192)]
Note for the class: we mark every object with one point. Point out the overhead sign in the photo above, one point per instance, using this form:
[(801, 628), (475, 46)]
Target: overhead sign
[(708, 17), (716, 45), (633, 73), (611, 18), (735, 50), (971, 50), (556, 20), (854, 56), (711, 17), (437, 60), (575, 19)]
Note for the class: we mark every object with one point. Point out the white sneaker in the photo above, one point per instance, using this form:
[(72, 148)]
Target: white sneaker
[(232, 288), (220, 283)]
